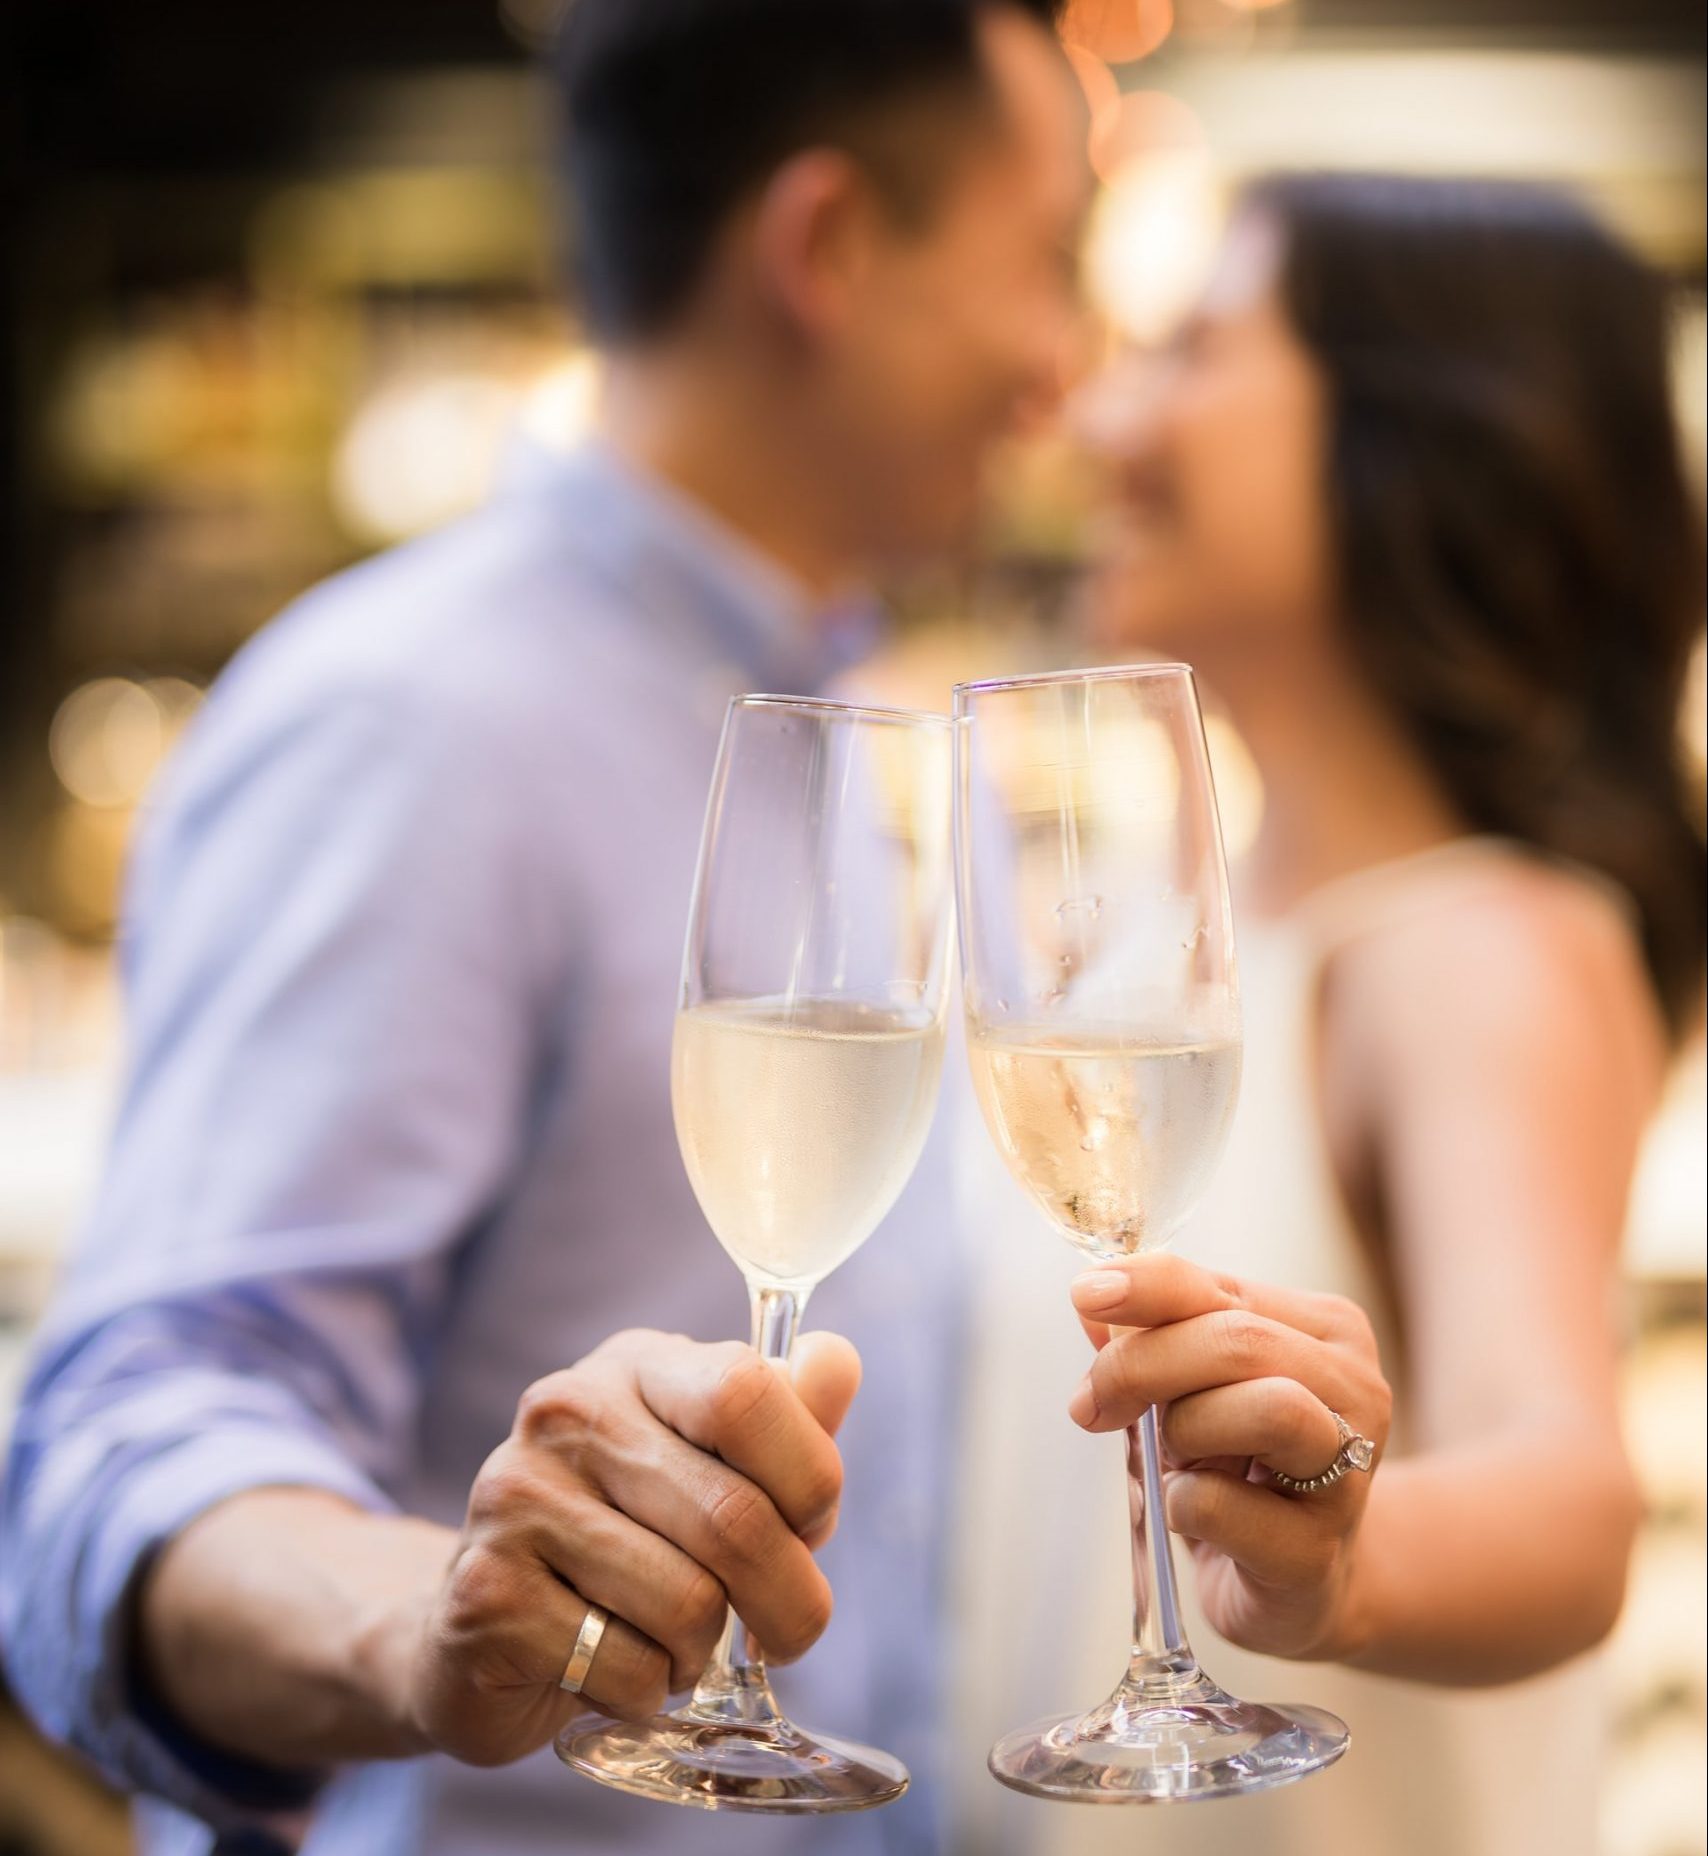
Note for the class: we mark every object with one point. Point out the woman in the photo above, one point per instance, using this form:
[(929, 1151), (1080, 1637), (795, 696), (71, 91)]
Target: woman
[(1407, 490)]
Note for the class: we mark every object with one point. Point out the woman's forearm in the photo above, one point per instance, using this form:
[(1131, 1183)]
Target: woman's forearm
[(1488, 1563)]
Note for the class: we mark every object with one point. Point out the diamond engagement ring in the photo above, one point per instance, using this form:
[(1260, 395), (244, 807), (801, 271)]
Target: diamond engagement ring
[(586, 1648), (1355, 1452)]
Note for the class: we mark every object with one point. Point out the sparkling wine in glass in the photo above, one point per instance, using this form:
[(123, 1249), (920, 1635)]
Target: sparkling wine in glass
[(804, 1072), (1103, 1030)]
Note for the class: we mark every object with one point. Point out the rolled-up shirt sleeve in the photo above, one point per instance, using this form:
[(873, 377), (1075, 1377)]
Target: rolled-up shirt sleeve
[(338, 986)]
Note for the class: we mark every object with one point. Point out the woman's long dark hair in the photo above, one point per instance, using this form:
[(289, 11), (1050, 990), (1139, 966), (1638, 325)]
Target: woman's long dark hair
[(1520, 547)]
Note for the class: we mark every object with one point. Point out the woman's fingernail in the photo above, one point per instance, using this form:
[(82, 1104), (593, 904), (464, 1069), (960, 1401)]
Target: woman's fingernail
[(1082, 1408), (1099, 1289)]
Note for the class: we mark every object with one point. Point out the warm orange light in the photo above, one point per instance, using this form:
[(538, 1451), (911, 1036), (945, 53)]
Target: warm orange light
[(1146, 122), (1102, 93), (1118, 30)]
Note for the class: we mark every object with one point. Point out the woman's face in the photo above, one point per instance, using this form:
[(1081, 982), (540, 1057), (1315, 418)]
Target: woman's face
[(1219, 534)]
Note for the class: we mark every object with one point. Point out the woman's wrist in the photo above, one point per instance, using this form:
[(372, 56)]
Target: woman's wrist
[(1356, 1616)]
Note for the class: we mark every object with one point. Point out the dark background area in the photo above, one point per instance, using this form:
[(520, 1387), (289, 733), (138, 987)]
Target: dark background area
[(138, 139)]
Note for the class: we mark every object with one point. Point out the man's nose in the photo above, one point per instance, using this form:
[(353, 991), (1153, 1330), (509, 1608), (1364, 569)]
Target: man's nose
[(1062, 358), (1112, 408)]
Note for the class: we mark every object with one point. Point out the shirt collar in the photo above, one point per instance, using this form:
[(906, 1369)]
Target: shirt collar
[(682, 567)]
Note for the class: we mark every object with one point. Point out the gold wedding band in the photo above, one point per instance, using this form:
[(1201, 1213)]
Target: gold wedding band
[(586, 1648)]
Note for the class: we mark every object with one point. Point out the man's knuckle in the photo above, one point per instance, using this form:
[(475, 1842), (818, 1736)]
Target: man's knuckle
[(739, 1519), (626, 1343), (700, 1605), (741, 1392), (642, 1686), (481, 1593), (815, 1614), (823, 1484), (505, 1489), (554, 1405), (808, 1619)]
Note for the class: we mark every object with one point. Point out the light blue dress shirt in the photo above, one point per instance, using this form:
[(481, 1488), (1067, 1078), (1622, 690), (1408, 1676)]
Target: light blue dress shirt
[(401, 959)]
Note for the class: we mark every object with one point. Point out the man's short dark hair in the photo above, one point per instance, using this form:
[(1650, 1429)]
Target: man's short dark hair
[(675, 109)]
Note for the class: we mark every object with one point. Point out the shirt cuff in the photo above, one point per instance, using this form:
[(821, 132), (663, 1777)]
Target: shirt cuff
[(130, 1733)]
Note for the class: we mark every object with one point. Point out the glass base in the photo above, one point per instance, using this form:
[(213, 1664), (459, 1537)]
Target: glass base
[(1197, 1742), (722, 1766)]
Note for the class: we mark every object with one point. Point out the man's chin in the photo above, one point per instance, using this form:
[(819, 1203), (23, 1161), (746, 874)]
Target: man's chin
[(926, 537)]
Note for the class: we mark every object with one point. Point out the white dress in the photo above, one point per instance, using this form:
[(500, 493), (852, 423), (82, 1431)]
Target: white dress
[(1042, 1567)]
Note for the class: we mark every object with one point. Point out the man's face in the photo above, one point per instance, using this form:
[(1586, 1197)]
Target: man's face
[(964, 326)]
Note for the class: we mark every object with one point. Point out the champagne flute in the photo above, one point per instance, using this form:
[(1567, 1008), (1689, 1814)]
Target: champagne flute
[(804, 1073), (1103, 1029)]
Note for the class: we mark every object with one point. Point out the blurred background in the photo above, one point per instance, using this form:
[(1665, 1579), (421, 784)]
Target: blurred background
[(284, 284)]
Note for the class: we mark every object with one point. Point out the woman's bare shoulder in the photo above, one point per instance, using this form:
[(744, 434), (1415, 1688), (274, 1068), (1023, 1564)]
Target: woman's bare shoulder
[(1519, 959)]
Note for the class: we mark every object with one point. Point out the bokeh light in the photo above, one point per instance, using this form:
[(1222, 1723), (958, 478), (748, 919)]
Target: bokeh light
[(109, 736), (560, 407), (1143, 123), (1102, 92), (1239, 785), (177, 699), (1153, 240), (106, 741), (420, 451), (1118, 31)]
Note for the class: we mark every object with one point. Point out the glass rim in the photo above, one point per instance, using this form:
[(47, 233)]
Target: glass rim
[(1101, 673), (856, 711)]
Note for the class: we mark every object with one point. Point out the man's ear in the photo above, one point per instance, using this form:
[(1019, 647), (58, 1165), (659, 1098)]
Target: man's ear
[(814, 227)]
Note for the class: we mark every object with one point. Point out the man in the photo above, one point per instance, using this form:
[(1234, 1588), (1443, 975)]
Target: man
[(302, 1487)]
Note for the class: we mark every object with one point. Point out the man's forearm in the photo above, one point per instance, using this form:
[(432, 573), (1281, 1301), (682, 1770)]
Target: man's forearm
[(1485, 1565), (282, 1625)]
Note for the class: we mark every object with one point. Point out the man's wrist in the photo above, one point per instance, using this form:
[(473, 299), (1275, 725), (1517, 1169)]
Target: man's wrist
[(389, 1639), (286, 1625)]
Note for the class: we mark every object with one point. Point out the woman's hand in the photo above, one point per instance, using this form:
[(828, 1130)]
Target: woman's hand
[(1248, 1379)]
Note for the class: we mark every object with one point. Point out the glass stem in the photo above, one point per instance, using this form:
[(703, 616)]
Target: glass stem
[(734, 1686), (1162, 1659)]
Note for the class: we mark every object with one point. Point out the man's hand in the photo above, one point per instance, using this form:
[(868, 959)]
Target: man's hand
[(1248, 1378), (660, 1478)]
